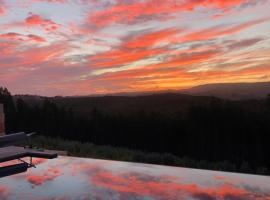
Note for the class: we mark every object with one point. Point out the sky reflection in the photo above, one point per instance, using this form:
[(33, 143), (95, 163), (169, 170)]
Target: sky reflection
[(68, 178)]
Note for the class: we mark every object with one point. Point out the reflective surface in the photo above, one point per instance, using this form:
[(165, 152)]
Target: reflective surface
[(67, 178)]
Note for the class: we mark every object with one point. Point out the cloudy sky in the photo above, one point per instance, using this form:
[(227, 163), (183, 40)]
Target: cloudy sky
[(82, 47)]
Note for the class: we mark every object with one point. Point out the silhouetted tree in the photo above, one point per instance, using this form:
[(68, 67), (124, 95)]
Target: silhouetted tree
[(231, 134)]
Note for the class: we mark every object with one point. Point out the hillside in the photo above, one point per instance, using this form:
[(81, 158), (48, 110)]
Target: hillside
[(214, 130), (165, 103), (233, 91), (248, 96)]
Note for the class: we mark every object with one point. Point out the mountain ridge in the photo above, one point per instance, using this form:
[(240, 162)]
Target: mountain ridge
[(231, 91)]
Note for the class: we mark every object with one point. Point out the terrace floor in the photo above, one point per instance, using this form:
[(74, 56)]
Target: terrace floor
[(67, 178)]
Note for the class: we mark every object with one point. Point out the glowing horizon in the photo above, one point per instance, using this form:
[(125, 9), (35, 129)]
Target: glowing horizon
[(83, 47)]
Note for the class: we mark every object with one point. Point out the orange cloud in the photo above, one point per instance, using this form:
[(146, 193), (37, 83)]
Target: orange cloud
[(42, 54), (133, 49), (141, 47), (166, 189), (160, 77), (187, 59), (38, 161), (36, 180), (150, 39), (115, 58), (49, 175), (34, 56), (150, 60)]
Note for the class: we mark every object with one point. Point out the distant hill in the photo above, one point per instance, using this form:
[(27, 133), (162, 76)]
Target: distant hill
[(163, 101), (232, 91), (32, 99)]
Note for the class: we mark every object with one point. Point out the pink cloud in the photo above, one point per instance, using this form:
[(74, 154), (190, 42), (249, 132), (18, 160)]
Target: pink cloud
[(116, 58), (50, 175), (21, 37), (133, 49), (130, 12), (37, 20), (49, 1), (2, 7), (2, 10), (148, 40), (219, 31), (143, 46), (170, 54), (4, 192), (38, 161), (30, 57), (36, 38), (170, 190), (164, 187), (12, 36)]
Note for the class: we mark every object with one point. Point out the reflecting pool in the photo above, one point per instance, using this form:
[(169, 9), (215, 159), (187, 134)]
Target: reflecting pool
[(67, 178)]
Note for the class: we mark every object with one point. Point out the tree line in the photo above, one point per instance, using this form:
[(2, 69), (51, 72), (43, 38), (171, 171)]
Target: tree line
[(220, 131)]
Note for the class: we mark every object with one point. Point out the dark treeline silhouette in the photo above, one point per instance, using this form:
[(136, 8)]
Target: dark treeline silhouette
[(219, 130)]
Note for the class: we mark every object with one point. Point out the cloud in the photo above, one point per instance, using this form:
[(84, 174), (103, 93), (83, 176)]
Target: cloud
[(2, 10), (137, 185), (4, 192), (150, 39), (49, 1), (50, 175), (12, 36), (2, 7), (38, 161), (31, 57), (117, 58), (133, 48), (219, 31), (164, 187), (123, 12), (103, 47), (36, 38), (37, 20), (244, 43), (22, 38), (142, 46), (169, 77)]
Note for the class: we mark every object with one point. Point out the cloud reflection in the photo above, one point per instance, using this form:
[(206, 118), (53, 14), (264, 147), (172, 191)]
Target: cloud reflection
[(75, 178)]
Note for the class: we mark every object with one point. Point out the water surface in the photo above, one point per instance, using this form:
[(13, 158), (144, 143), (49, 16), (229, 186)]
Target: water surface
[(68, 178)]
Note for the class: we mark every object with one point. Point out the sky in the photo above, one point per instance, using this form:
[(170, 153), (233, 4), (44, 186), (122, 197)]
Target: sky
[(84, 47)]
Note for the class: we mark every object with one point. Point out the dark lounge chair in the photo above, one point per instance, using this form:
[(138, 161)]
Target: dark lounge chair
[(9, 152)]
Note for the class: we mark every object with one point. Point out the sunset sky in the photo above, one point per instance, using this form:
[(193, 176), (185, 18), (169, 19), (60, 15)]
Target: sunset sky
[(83, 47)]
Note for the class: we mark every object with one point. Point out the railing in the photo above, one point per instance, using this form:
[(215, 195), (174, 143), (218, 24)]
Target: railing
[(2, 120)]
